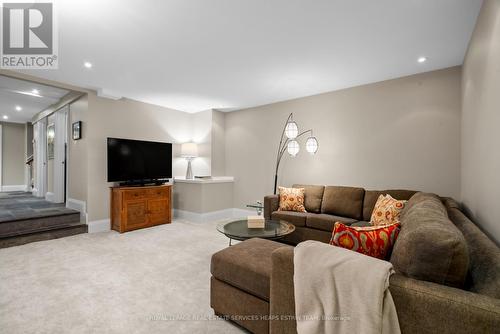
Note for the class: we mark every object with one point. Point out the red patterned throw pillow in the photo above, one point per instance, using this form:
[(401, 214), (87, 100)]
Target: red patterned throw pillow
[(292, 199), (376, 241)]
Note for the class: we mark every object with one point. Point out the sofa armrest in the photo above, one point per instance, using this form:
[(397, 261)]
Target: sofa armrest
[(271, 204), (426, 307), (282, 301)]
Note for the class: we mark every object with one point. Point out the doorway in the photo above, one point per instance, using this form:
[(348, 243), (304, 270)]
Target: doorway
[(53, 154)]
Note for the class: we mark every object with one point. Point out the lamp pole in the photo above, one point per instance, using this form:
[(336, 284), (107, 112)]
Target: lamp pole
[(282, 147)]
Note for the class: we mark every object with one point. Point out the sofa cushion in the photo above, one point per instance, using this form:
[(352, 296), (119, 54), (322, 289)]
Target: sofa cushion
[(429, 246), (246, 265), (343, 201), (326, 222), (305, 233), (361, 223), (296, 218), (371, 197), (313, 197)]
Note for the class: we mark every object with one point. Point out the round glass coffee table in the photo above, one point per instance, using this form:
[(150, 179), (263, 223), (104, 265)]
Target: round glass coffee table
[(238, 230)]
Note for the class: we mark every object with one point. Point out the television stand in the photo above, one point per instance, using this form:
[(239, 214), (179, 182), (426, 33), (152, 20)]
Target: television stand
[(138, 206)]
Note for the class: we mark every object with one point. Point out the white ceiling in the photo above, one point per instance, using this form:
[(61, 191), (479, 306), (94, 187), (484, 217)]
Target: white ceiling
[(14, 92), (194, 55)]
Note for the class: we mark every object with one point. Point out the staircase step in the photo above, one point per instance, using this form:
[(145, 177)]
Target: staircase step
[(40, 224), (47, 234)]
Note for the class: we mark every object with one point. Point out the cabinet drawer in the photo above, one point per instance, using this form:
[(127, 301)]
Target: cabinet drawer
[(159, 192), (134, 194)]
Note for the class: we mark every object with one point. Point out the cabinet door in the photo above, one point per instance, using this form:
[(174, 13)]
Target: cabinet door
[(158, 209), (135, 214)]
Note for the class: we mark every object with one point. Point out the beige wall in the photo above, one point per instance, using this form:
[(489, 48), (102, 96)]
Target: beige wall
[(402, 133), (77, 152), (480, 121), (126, 119), (132, 119), (200, 133), (203, 198), (13, 154), (218, 143)]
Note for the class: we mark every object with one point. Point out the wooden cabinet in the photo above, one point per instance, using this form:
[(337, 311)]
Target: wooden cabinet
[(138, 207)]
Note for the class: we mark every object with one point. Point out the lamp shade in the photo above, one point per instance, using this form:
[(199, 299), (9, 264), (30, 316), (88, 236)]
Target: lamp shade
[(291, 130), (51, 133), (293, 148), (189, 150), (312, 145)]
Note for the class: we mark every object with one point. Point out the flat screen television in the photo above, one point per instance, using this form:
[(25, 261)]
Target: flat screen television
[(138, 162)]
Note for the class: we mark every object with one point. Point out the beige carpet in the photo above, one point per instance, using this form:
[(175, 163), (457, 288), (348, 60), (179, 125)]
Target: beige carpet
[(153, 280)]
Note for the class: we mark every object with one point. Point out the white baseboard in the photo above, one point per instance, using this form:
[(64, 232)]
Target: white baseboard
[(49, 196), (238, 213), (197, 217), (96, 226), (21, 187), (80, 206)]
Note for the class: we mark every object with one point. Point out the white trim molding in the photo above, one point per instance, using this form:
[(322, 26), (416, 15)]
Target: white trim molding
[(97, 226), (197, 217), (40, 156), (1, 155), (238, 213), (211, 179), (19, 187), (104, 225), (60, 119), (80, 206), (49, 196)]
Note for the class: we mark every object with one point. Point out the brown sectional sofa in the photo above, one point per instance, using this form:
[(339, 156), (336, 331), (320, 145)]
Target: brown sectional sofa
[(447, 271), (326, 205)]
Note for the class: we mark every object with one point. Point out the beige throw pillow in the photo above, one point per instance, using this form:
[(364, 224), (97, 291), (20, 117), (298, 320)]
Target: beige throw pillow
[(386, 211), (291, 199)]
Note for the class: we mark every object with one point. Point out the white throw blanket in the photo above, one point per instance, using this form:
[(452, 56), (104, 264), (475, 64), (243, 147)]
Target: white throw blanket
[(342, 291)]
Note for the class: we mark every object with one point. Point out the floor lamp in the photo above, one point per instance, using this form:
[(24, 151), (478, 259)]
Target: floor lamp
[(289, 143)]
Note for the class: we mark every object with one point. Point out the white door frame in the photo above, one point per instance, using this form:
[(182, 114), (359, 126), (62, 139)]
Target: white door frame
[(60, 139), (1, 154), (27, 176), (40, 157)]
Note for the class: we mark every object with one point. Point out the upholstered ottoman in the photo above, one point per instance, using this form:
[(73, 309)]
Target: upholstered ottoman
[(239, 287)]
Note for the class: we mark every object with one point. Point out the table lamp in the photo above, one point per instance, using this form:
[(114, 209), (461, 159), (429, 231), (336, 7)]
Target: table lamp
[(189, 151)]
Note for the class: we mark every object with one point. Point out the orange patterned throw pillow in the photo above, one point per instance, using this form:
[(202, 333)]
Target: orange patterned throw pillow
[(292, 199), (376, 241), (386, 211)]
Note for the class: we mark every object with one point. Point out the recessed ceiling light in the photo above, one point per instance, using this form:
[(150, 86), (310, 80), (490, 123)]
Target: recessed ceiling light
[(18, 108), (35, 91), (422, 59), (87, 64), (5, 117)]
